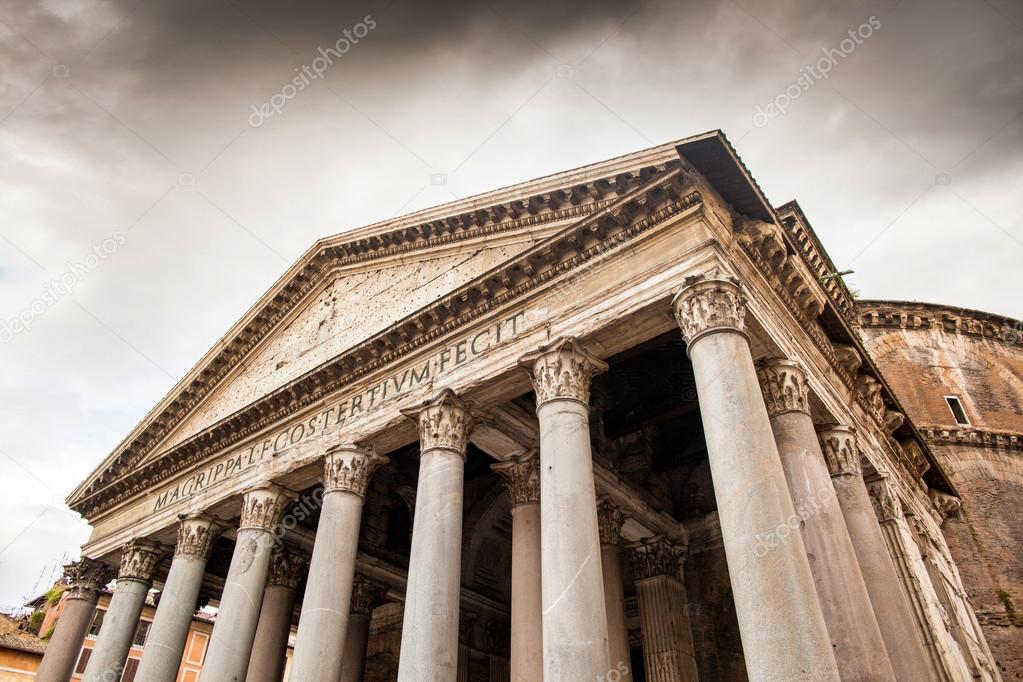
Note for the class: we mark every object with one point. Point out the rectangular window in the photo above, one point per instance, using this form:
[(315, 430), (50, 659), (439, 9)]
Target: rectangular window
[(97, 623), (83, 660), (957, 410), (141, 632), (131, 666)]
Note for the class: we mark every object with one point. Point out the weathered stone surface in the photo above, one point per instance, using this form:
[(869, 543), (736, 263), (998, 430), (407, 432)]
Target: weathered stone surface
[(929, 352)]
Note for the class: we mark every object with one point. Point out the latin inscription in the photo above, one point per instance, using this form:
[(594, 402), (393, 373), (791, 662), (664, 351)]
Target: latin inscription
[(344, 411)]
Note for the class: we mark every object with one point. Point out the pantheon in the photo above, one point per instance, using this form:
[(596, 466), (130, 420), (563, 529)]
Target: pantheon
[(624, 422)]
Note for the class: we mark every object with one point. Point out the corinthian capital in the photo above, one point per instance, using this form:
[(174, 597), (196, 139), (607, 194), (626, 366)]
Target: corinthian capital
[(366, 595), (609, 521), (286, 567), (883, 496), (838, 443), (85, 578), (656, 556), (562, 371), (444, 423), (196, 535), (709, 303), (783, 383), (349, 468), (522, 476), (139, 561), (262, 508)]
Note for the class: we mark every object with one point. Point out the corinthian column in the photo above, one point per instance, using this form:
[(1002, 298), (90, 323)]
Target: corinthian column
[(894, 614), (347, 470), (238, 616), (668, 654), (429, 634), (166, 642), (85, 580), (270, 646), (522, 476), (366, 596), (574, 617), (780, 620), (855, 636), (609, 525), (139, 561), (916, 583)]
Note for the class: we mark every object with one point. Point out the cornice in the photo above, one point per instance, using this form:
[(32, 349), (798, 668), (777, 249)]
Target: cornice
[(803, 237), (950, 320), (980, 438), (659, 197)]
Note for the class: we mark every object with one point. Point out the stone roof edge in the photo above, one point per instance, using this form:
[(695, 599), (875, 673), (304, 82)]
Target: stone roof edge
[(989, 325)]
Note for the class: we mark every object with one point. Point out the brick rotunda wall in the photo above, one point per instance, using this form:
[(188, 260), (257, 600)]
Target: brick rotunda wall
[(927, 352)]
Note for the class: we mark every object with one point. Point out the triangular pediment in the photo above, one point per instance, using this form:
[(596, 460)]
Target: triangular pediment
[(352, 304), (347, 290)]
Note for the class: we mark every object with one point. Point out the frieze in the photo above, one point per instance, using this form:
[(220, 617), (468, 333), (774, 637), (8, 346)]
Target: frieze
[(522, 477), (348, 468), (344, 410), (562, 370), (578, 201), (783, 383), (196, 535), (533, 268)]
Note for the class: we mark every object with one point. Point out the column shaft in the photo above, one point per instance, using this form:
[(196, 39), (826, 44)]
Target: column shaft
[(527, 605), (238, 616), (668, 653), (328, 592), (522, 476), (166, 642), (270, 645), (902, 636), (86, 578), (852, 626), (942, 648), (353, 656), (429, 636), (574, 616), (784, 636), (609, 521), (366, 596), (138, 563)]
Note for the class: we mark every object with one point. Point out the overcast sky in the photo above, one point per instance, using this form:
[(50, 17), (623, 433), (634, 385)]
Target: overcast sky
[(136, 170)]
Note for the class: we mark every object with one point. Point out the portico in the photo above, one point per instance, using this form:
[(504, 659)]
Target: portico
[(502, 473)]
